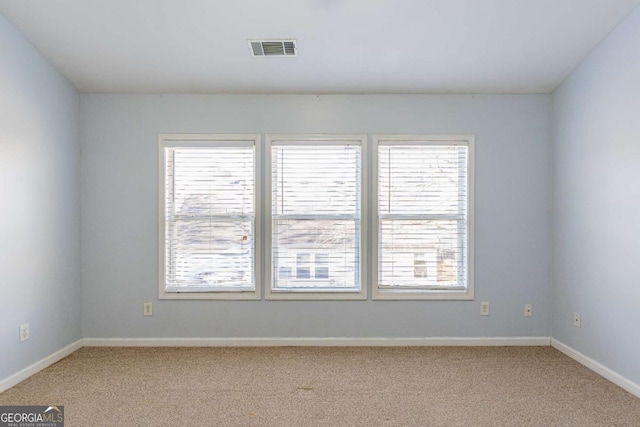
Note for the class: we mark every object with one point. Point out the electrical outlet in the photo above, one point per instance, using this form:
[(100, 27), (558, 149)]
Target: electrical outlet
[(148, 309), (577, 320), (528, 310), (484, 308), (24, 332)]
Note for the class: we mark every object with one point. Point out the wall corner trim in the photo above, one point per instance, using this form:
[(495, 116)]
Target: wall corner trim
[(597, 367), (38, 366)]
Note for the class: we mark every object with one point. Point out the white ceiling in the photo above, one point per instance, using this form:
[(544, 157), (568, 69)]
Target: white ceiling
[(345, 46)]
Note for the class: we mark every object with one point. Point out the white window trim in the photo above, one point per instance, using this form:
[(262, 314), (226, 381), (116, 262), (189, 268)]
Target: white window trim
[(310, 139), (415, 294), (211, 140)]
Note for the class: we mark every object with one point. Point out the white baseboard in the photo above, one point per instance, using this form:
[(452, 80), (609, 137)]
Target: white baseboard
[(22, 375), (317, 342), (597, 367)]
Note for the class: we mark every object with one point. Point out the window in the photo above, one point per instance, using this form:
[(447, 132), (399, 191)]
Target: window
[(315, 220), (208, 216), (297, 217), (423, 244), (303, 266), (321, 267), (306, 269), (420, 269)]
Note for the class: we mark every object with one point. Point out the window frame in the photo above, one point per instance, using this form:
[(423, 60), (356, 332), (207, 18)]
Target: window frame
[(211, 140), (421, 139), (315, 139)]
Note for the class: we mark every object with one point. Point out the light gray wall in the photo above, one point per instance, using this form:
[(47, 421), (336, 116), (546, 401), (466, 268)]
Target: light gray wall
[(120, 212), (40, 206), (597, 203)]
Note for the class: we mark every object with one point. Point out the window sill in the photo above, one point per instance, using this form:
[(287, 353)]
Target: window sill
[(318, 296), (422, 295), (240, 296)]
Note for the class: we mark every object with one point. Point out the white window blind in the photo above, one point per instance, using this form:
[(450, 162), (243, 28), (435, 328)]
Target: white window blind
[(209, 217), (315, 216), (423, 215)]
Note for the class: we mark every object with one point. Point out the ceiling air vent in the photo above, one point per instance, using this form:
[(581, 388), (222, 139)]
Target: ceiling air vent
[(273, 47)]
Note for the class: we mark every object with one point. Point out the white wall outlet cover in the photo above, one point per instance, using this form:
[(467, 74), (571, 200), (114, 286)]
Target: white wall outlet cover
[(484, 308), (148, 309), (577, 320), (24, 332), (528, 310)]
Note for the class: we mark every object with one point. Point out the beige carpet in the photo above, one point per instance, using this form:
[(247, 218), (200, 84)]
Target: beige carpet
[(416, 386)]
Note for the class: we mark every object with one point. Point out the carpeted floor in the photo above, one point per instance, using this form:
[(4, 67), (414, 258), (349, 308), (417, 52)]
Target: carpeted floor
[(300, 386)]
